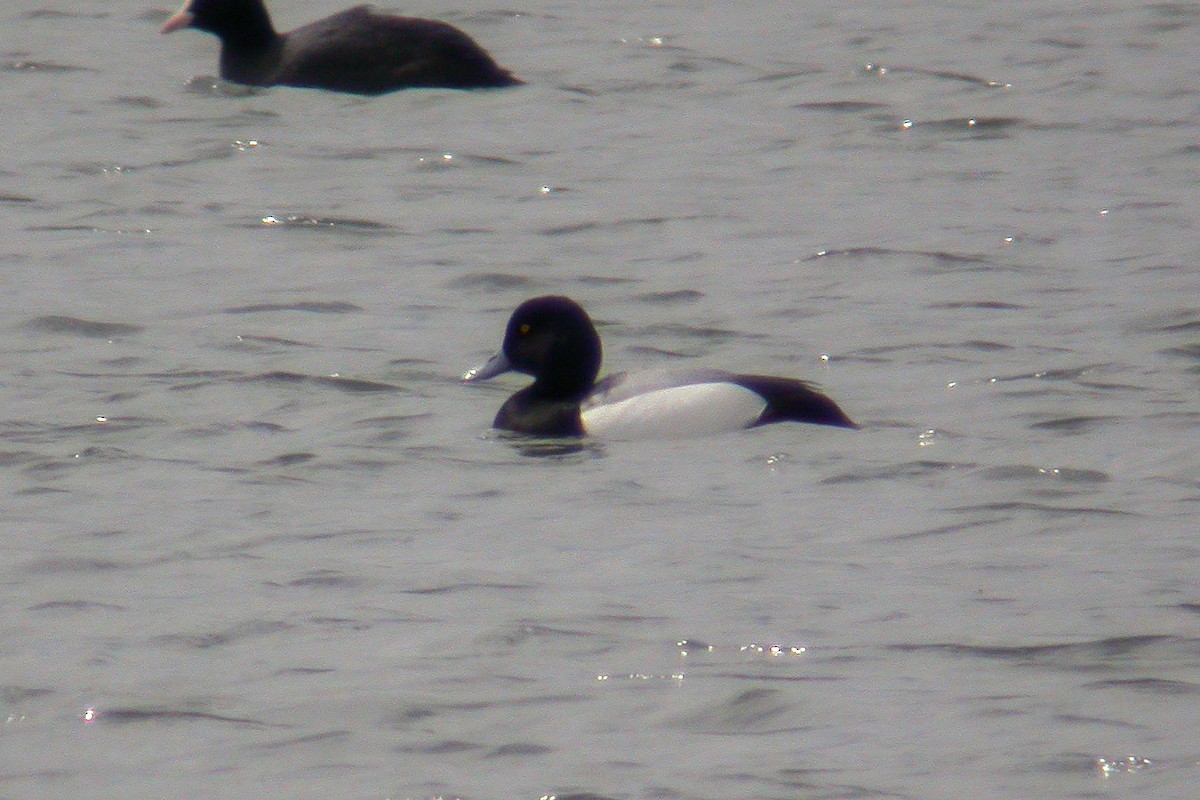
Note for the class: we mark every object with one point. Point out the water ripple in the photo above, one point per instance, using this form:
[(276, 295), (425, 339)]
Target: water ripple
[(1089, 656), (86, 328), (24, 65), (1073, 426), (1049, 510), (308, 221), (1034, 472), (135, 714), (1156, 686), (749, 712), (941, 258), (945, 75), (309, 306), (353, 385)]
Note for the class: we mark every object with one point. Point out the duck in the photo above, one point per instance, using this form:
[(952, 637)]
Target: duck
[(552, 339), (359, 50)]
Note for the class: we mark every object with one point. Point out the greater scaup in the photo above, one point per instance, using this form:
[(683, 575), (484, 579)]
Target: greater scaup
[(356, 50), (553, 339)]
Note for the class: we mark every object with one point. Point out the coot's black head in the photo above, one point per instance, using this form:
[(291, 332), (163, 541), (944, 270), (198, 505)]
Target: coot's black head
[(231, 20)]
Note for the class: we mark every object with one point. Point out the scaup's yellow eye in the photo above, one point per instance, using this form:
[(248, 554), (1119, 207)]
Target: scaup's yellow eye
[(524, 328)]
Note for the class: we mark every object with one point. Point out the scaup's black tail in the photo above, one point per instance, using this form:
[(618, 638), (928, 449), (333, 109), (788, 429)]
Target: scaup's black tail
[(793, 400)]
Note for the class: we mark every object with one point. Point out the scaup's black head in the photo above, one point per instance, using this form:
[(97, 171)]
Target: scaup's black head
[(553, 339)]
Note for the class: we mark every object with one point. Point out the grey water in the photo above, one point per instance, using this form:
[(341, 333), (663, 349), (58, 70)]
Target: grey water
[(259, 541)]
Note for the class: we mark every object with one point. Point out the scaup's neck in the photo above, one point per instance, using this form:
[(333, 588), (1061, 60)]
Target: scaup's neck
[(567, 372), (528, 412), (561, 386)]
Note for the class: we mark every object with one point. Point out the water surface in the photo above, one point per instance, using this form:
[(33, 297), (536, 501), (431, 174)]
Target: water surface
[(259, 540)]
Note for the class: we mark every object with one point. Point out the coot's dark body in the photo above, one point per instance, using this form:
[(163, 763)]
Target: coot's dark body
[(357, 50)]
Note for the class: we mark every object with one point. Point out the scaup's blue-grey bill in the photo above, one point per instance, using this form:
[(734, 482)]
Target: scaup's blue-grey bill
[(553, 339), (357, 50)]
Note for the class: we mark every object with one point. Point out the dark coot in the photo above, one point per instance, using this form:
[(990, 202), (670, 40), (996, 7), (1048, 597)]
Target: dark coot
[(356, 50)]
